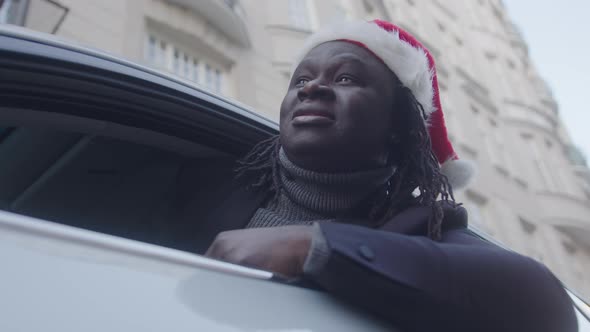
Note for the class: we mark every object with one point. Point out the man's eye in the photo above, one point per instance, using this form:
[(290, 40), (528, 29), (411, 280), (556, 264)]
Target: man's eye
[(301, 82), (344, 79)]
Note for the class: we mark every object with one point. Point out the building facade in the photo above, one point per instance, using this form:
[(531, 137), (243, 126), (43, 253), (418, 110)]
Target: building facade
[(532, 192)]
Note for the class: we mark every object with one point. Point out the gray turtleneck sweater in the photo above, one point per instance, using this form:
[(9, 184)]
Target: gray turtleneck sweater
[(309, 198)]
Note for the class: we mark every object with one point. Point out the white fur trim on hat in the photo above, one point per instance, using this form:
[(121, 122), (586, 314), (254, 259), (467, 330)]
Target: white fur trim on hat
[(458, 172), (410, 64)]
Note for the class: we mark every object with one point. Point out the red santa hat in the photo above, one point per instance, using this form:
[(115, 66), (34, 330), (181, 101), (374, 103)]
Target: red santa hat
[(413, 64)]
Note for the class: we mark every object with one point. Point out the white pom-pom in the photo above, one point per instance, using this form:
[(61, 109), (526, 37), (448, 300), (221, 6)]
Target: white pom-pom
[(459, 172)]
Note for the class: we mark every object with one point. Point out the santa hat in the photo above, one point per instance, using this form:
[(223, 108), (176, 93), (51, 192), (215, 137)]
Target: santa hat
[(413, 64)]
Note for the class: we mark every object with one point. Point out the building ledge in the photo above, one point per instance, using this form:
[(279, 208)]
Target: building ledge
[(549, 116), (580, 236), (564, 210), (533, 126), (290, 28), (224, 15)]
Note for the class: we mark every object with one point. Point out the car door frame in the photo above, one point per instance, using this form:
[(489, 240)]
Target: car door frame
[(83, 82)]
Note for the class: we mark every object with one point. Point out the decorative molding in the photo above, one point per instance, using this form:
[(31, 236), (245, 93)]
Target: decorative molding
[(476, 197), (527, 226), (532, 108), (466, 76), (483, 100), (433, 50), (521, 183), (445, 10), (288, 28), (221, 14)]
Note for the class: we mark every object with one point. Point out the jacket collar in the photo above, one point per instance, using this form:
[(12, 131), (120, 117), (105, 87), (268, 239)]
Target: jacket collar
[(414, 219)]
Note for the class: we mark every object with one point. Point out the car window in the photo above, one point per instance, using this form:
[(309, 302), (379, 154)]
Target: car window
[(110, 185)]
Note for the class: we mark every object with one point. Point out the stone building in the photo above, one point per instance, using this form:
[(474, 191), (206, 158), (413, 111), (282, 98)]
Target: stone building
[(533, 189)]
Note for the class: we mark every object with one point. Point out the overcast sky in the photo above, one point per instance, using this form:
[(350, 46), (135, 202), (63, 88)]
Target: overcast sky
[(558, 35)]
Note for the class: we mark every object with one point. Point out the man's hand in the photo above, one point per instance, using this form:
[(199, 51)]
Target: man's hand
[(281, 250)]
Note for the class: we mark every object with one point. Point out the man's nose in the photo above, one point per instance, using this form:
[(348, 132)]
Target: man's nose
[(315, 90)]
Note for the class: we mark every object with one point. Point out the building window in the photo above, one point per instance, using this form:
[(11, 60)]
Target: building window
[(521, 183), (511, 64), (12, 11), (217, 80), (368, 6), (493, 142), (340, 13), (548, 143), (156, 50), (527, 226), (497, 150), (444, 9), (195, 71), (213, 78), (299, 14), (186, 66), (176, 62), (174, 59), (152, 49), (4, 8), (208, 77), (476, 205), (569, 247), (541, 165), (491, 55)]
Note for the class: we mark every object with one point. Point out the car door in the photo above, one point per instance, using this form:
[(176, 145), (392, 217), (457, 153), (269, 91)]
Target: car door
[(97, 156)]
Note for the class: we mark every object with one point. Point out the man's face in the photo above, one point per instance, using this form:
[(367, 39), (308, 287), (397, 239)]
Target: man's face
[(338, 113)]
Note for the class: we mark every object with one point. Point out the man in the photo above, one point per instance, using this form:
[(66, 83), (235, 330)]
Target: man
[(350, 190)]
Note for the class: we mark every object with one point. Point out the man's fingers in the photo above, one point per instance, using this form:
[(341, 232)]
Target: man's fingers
[(276, 250), (221, 246), (209, 252), (214, 248)]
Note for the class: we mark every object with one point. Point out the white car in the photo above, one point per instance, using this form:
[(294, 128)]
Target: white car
[(95, 154)]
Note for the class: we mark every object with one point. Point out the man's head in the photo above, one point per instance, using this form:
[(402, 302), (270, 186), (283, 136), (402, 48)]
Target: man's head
[(338, 113), (414, 66), (363, 96)]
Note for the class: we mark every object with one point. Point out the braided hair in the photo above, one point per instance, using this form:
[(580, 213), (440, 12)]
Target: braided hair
[(418, 177)]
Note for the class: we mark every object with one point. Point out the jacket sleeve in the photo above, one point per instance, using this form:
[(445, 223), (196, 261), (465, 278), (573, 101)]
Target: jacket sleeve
[(461, 283)]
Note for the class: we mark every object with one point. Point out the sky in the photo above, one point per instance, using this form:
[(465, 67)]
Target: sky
[(558, 36)]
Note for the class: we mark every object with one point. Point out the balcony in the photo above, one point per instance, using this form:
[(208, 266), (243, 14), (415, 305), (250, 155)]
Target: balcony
[(528, 115), (579, 235), (224, 15), (569, 214)]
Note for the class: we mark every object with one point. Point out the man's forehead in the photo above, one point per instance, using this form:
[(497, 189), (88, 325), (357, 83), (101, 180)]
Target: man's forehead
[(340, 57), (340, 50), (337, 52), (339, 47)]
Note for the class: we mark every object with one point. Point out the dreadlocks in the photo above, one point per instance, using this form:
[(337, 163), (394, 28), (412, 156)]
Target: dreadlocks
[(416, 168)]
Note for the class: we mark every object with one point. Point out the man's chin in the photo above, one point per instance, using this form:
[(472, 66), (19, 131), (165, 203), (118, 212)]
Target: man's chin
[(314, 154), (310, 140)]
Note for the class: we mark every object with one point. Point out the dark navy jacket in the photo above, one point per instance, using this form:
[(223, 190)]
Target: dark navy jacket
[(461, 283)]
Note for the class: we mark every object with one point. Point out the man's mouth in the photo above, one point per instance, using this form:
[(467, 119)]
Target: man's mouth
[(312, 117)]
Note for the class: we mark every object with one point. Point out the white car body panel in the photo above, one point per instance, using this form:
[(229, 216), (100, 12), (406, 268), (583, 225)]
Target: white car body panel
[(60, 278)]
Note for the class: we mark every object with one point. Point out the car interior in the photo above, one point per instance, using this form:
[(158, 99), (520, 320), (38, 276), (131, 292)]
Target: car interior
[(109, 178)]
